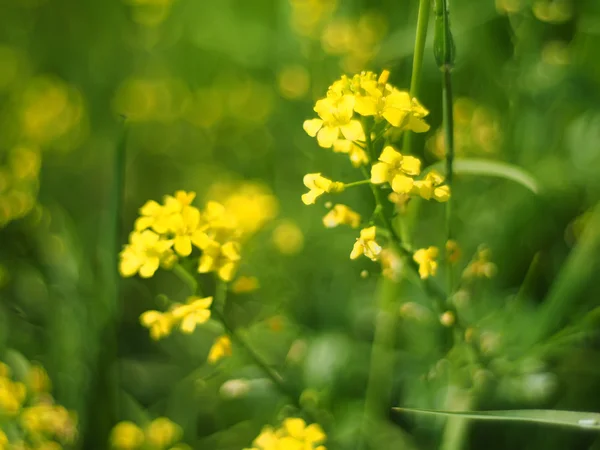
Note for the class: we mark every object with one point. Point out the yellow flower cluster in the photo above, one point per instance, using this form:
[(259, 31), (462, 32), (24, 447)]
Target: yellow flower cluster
[(33, 415), (294, 434), (160, 434), (165, 231), (426, 258), (195, 312)]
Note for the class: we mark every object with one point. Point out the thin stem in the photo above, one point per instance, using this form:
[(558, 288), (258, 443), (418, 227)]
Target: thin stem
[(449, 137), (415, 79), (356, 183)]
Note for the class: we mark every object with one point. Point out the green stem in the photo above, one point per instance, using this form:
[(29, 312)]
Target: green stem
[(449, 135), (356, 183), (415, 79)]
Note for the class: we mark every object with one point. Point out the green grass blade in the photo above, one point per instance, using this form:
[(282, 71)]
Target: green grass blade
[(491, 169), (575, 419)]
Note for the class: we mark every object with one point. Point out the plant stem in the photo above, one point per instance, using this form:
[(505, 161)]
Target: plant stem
[(415, 79), (356, 183)]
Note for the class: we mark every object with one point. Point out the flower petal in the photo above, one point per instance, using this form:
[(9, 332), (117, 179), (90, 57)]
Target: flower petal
[(312, 126)]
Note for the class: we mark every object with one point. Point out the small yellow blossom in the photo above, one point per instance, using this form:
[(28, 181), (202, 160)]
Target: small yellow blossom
[(162, 432), (481, 266), (288, 238), (12, 395), (144, 254), (453, 251), (341, 215), (222, 259), (431, 187), (3, 441), (335, 114), (185, 225), (319, 185), (220, 349), (38, 380), (126, 436), (358, 156), (393, 168), (293, 435), (195, 312), (426, 258), (159, 323), (244, 285), (366, 245), (159, 217)]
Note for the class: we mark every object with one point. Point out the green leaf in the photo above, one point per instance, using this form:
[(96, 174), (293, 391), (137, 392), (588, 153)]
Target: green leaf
[(575, 419), (490, 169)]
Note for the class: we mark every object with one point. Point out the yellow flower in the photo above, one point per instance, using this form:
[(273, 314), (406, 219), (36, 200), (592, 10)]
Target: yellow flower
[(341, 215), (297, 429), (426, 258), (358, 157), (366, 245), (159, 217), (222, 259), (244, 285), (12, 395), (220, 349), (3, 441), (195, 312), (431, 187), (161, 432), (393, 168), (379, 99), (481, 266), (293, 435), (335, 114), (126, 436), (38, 380), (318, 185), (144, 254), (185, 225), (160, 324)]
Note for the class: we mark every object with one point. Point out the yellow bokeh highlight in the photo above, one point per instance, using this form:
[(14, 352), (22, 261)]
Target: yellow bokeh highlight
[(293, 81), (288, 238)]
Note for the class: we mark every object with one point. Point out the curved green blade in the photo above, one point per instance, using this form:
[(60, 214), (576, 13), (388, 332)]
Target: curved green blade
[(576, 419), (491, 169)]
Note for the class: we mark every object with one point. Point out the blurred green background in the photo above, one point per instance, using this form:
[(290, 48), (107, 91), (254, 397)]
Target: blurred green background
[(214, 95)]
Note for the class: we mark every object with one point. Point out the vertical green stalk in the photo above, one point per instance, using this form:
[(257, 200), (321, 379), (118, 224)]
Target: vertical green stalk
[(415, 79)]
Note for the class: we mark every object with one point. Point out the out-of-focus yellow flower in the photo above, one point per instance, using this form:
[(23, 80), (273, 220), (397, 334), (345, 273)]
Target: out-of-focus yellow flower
[(555, 11), (319, 185), (3, 441), (25, 162), (335, 114), (251, 205), (393, 168), (48, 419), (12, 395), (453, 251), (38, 380), (244, 285), (162, 432), (341, 215), (220, 349), (195, 312), (222, 259), (186, 227), (292, 435), (144, 254), (126, 436), (366, 245), (358, 156), (288, 238), (293, 81), (159, 323), (481, 266), (431, 187), (426, 258)]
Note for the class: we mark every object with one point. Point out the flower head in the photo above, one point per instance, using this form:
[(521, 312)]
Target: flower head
[(220, 349), (394, 168), (195, 312), (159, 323), (144, 254), (335, 119), (186, 227), (126, 436), (426, 258), (319, 185), (431, 187), (222, 259), (341, 215), (294, 434), (366, 245), (162, 432)]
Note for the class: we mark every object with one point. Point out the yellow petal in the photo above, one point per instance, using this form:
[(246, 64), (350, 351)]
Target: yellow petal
[(353, 131), (327, 136), (395, 116), (411, 165), (149, 267), (368, 234), (366, 106), (357, 250), (312, 126), (389, 155), (380, 173), (183, 245), (441, 194), (188, 324), (402, 184), (311, 197), (417, 125)]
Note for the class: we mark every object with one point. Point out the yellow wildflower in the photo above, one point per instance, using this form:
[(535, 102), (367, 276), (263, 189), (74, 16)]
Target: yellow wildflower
[(480, 266), (159, 323), (358, 156), (126, 436), (318, 185), (310, 435), (162, 432), (431, 187), (218, 225), (293, 435), (49, 419), (222, 259), (366, 245), (251, 205), (244, 285), (159, 217), (3, 441), (144, 254), (453, 251), (341, 215), (38, 380), (335, 114), (220, 349), (185, 225), (426, 258), (393, 168), (12, 395), (195, 312)]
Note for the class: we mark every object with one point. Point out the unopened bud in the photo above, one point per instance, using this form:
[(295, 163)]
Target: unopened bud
[(447, 319)]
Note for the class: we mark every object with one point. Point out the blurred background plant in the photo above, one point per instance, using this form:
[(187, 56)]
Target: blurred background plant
[(214, 95)]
